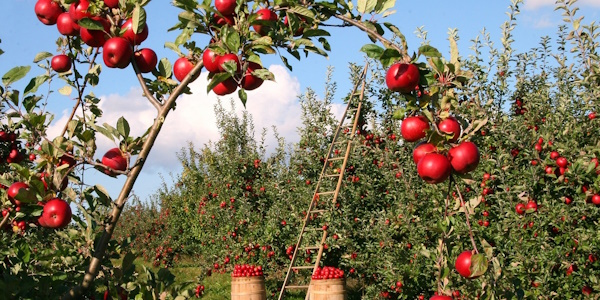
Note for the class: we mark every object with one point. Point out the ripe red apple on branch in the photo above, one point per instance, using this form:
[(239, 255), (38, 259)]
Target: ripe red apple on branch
[(117, 53), (114, 159), (414, 128), (402, 77), (56, 214), (47, 11), (182, 67)]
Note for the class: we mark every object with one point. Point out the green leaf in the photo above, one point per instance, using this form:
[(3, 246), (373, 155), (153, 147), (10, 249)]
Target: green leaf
[(165, 68), (35, 83), (303, 11), (479, 265), (366, 6), (65, 90), (243, 96), (15, 74), (139, 19), (218, 78), (372, 50), (399, 114), (102, 194), (383, 5), (90, 24), (315, 32), (429, 51), (41, 56), (123, 127), (128, 260), (231, 38)]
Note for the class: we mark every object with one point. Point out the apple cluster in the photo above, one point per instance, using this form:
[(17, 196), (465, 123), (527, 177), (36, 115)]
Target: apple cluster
[(432, 165), (327, 272), (9, 147), (247, 270), (105, 28), (199, 291)]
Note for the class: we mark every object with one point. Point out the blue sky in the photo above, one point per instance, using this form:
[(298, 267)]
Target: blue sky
[(23, 36)]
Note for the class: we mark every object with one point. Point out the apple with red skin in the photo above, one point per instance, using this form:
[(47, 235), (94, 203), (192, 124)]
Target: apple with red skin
[(225, 87), (438, 297), (298, 31), (14, 189), (182, 67), (227, 58), (421, 149), (463, 263), (47, 11), (95, 38), (115, 160), (267, 16), (78, 10), (402, 77), (562, 162), (211, 60), (464, 158), (520, 208), (414, 128), (434, 168), (225, 7), (249, 81), (531, 206), (451, 127), (117, 53), (596, 199), (131, 36), (66, 25), (111, 3), (146, 60), (223, 20), (57, 213), (60, 63)]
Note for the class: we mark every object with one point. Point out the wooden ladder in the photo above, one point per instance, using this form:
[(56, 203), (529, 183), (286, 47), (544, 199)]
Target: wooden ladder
[(327, 187)]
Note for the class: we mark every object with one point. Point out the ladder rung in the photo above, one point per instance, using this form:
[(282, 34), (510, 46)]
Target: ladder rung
[(316, 211), (314, 229), (311, 248), (303, 267), (296, 287), (325, 193), (333, 175), (336, 158)]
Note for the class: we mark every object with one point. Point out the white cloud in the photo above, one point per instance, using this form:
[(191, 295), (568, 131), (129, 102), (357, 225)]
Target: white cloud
[(274, 103), (536, 4)]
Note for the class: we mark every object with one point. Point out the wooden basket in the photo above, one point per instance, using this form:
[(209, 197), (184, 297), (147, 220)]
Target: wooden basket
[(328, 289), (248, 288)]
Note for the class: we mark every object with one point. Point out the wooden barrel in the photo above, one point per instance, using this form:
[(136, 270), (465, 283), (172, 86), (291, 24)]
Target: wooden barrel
[(328, 289), (248, 288)]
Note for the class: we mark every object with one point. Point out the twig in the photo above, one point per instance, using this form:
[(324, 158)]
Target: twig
[(462, 202), (4, 220), (384, 41)]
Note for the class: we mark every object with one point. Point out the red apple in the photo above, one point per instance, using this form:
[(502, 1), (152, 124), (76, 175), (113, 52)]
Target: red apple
[(78, 10), (421, 149), (182, 67), (463, 263), (117, 53), (520, 208), (562, 162), (115, 160), (531, 206), (464, 157), (111, 3), (402, 77), (249, 81), (95, 38), (434, 168), (146, 60), (264, 17), (47, 11), (14, 190), (131, 36), (414, 128), (61, 63), (225, 87), (438, 297), (229, 57), (225, 7), (57, 213), (596, 199), (223, 20), (451, 127), (210, 59), (66, 25)]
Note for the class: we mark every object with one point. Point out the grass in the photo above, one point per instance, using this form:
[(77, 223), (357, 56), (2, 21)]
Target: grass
[(218, 286)]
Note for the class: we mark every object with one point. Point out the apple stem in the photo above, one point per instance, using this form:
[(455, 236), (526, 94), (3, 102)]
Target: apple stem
[(113, 218), (462, 203)]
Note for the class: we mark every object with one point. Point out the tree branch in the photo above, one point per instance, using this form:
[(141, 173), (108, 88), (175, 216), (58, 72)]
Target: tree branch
[(387, 43), (101, 246)]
